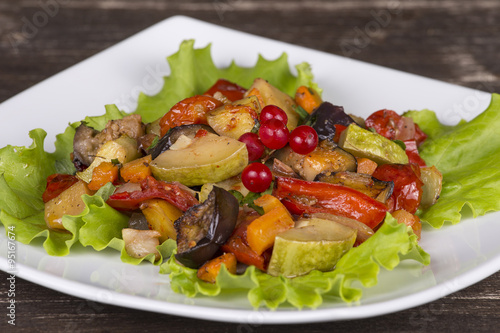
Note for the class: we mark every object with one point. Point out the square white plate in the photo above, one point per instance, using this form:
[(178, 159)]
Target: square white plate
[(461, 255)]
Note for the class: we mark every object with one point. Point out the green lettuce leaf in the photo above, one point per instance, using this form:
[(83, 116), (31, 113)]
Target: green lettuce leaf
[(468, 156), (392, 243), (193, 72)]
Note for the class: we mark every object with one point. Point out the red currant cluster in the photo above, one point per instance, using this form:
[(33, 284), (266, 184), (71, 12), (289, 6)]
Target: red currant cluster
[(273, 134)]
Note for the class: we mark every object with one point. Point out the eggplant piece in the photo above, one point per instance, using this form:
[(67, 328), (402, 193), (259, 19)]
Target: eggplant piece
[(377, 189), (205, 227), (325, 117), (138, 221), (175, 133), (327, 157), (85, 146)]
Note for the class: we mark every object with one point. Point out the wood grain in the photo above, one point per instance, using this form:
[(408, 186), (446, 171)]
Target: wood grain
[(453, 41)]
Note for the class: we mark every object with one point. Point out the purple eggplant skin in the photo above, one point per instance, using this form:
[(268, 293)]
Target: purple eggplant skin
[(324, 119), (173, 134), (204, 228)]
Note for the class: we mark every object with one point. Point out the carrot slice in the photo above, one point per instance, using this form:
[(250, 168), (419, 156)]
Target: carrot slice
[(367, 166), (307, 98), (137, 170), (102, 174), (210, 270), (263, 230)]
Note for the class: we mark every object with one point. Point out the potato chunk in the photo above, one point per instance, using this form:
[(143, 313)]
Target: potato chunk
[(68, 202)]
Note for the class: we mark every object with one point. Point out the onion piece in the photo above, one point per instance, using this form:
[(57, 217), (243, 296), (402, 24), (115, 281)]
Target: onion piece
[(140, 243), (406, 129), (128, 187), (364, 231)]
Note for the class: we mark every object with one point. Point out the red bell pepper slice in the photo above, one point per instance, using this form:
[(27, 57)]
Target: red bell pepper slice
[(150, 189), (407, 191), (237, 245), (302, 196), (412, 153), (56, 184), (231, 90), (338, 131)]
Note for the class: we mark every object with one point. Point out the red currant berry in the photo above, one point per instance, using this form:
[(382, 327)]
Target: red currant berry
[(274, 134), (256, 177), (273, 112), (303, 139), (254, 146)]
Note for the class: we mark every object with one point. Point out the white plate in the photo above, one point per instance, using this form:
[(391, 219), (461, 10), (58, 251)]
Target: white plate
[(461, 255)]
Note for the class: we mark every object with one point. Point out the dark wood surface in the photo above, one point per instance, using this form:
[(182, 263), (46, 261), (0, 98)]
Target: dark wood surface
[(453, 41)]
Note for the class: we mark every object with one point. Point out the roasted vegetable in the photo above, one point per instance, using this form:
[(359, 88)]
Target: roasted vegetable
[(317, 245), (235, 119), (263, 230), (140, 243), (230, 90), (238, 245), (364, 143), (410, 220), (137, 170), (372, 187), (271, 95), (327, 157), (363, 231), (174, 134), (366, 166), (87, 141), (205, 227), (161, 216), (105, 172), (124, 149), (56, 184), (395, 127), (307, 98), (324, 119), (433, 181), (301, 196), (206, 159), (407, 191), (210, 270), (150, 188), (192, 110), (69, 202), (138, 221)]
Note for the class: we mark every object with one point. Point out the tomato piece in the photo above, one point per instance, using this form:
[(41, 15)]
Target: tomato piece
[(412, 153), (407, 184), (393, 126), (189, 111), (384, 122), (237, 244), (231, 90), (151, 189), (338, 130), (56, 184), (420, 136), (302, 196)]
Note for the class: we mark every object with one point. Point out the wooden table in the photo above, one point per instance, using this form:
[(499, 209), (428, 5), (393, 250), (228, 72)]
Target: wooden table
[(453, 41)]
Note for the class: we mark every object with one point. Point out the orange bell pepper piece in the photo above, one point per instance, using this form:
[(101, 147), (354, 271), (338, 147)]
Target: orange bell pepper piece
[(263, 230), (137, 170), (102, 174)]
